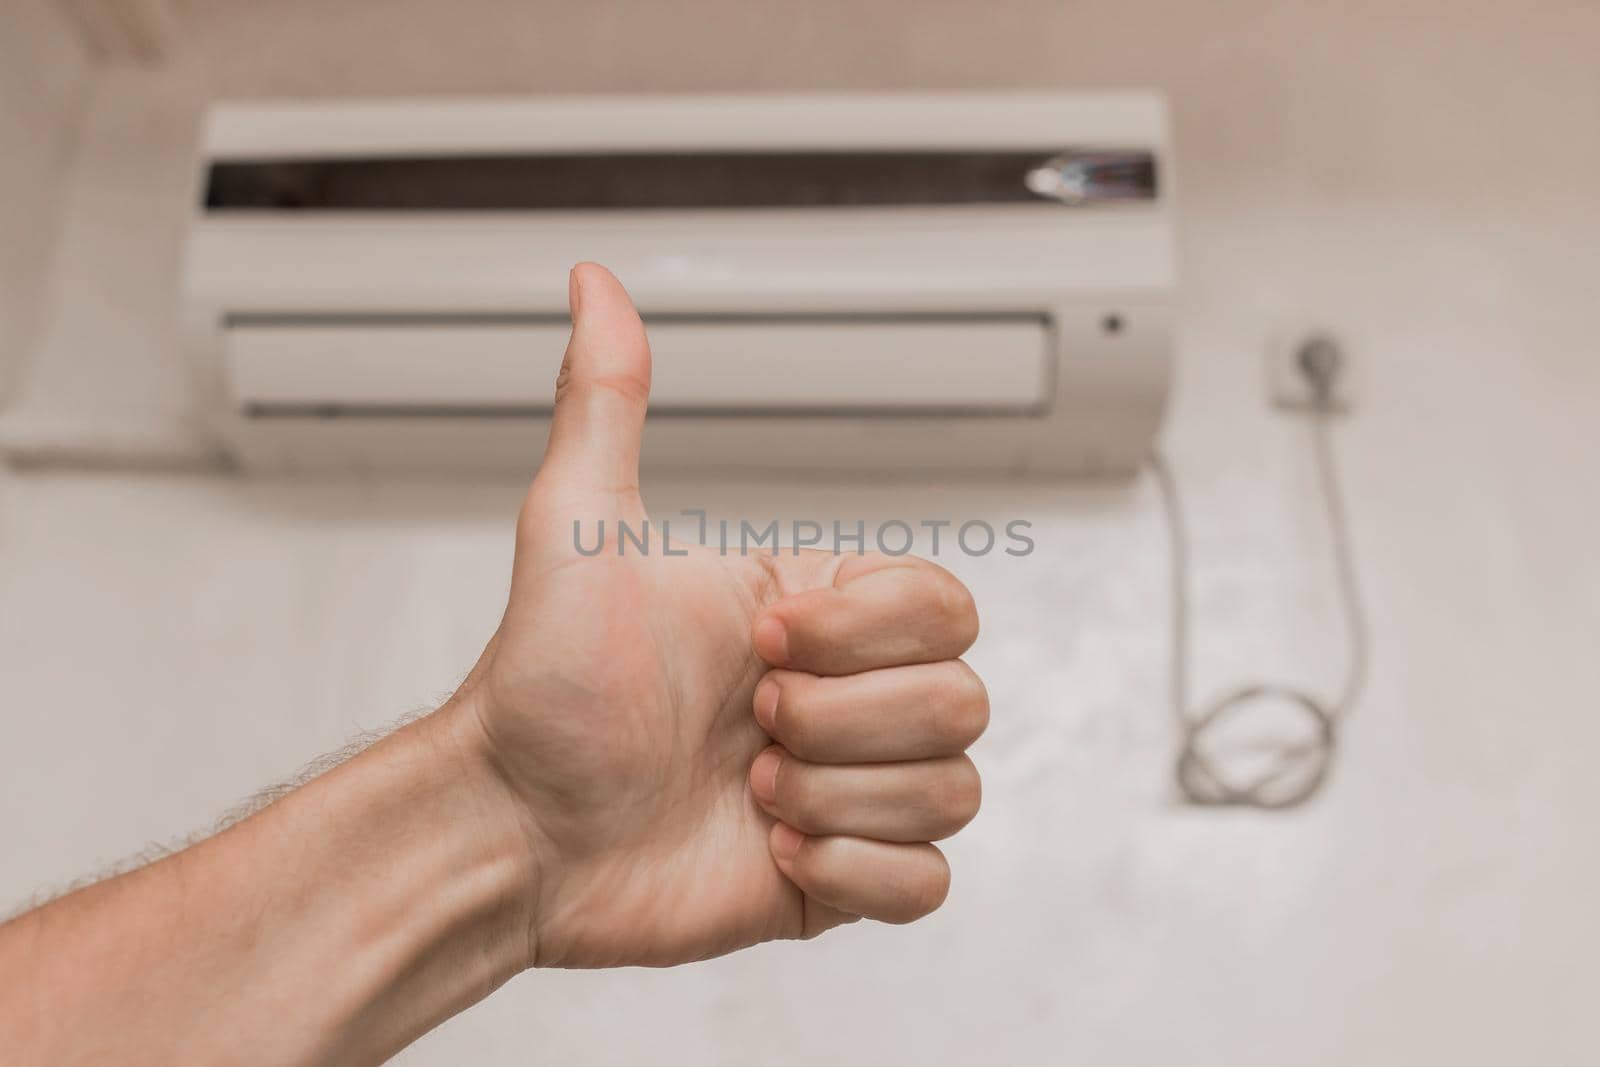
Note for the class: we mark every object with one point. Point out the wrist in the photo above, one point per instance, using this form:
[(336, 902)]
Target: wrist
[(427, 889), (496, 821)]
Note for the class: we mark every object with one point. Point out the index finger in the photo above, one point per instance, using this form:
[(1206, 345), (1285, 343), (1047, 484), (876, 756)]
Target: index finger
[(879, 612)]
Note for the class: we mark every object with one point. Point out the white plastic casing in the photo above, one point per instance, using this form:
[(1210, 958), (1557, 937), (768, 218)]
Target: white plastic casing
[(1013, 337)]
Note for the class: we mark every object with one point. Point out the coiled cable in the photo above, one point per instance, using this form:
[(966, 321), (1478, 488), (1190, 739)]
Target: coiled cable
[(1290, 772)]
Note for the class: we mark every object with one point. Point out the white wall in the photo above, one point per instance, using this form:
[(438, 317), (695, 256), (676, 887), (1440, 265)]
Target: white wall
[(105, 361), (1421, 178), (43, 78)]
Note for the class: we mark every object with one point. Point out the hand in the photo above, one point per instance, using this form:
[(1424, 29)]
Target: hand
[(679, 798), (603, 789)]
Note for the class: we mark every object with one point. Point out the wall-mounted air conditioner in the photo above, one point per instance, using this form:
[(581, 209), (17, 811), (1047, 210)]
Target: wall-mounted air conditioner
[(886, 282)]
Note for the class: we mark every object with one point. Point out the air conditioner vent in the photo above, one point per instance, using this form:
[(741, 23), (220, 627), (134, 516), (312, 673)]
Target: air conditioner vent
[(663, 181), (726, 366)]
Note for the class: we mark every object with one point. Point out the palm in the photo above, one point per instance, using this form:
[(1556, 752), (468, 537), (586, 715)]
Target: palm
[(634, 734)]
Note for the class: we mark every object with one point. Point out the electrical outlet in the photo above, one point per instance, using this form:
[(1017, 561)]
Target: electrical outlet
[(1288, 384)]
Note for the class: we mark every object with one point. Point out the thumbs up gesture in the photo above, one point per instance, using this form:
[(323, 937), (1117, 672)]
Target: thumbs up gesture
[(705, 751)]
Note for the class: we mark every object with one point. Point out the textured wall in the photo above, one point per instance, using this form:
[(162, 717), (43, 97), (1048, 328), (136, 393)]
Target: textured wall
[(1420, 176)]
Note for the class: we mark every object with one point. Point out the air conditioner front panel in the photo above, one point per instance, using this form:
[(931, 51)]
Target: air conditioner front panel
[(792, 365), (354, 299)]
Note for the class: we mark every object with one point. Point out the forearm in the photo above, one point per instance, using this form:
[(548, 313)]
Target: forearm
[(334, 926)]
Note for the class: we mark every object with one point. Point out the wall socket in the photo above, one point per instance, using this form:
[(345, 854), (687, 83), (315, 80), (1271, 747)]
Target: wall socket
[(1287, 384)]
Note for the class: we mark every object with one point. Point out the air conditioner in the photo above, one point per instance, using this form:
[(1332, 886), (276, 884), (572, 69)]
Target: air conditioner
[(949, 282)]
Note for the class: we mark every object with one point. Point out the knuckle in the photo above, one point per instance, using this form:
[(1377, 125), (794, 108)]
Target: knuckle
[(792, 720), (922, 895), (969, 711), (960, 795), (564, 376), (624, 387), (803, 805), (813, 626), (820, 876), (596, 389), (956, 607)]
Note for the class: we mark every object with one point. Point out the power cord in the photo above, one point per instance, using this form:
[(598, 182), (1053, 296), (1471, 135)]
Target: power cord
[(1290, 772)]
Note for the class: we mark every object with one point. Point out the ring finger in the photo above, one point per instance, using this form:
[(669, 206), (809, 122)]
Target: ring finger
[(922, 800)]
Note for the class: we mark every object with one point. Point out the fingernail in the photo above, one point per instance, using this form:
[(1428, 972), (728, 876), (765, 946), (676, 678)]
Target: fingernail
[(764, 775), (772, 641), (574, 292), (767, 703), (786, 841)]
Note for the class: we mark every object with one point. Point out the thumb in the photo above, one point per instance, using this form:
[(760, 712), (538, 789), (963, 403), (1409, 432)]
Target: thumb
[(602, 390)]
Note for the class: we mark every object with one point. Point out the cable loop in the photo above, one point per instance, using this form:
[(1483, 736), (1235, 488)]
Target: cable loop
[(1294, 770)]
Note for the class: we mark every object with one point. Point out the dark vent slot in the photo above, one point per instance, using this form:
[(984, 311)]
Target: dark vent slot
[(645, 181)]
